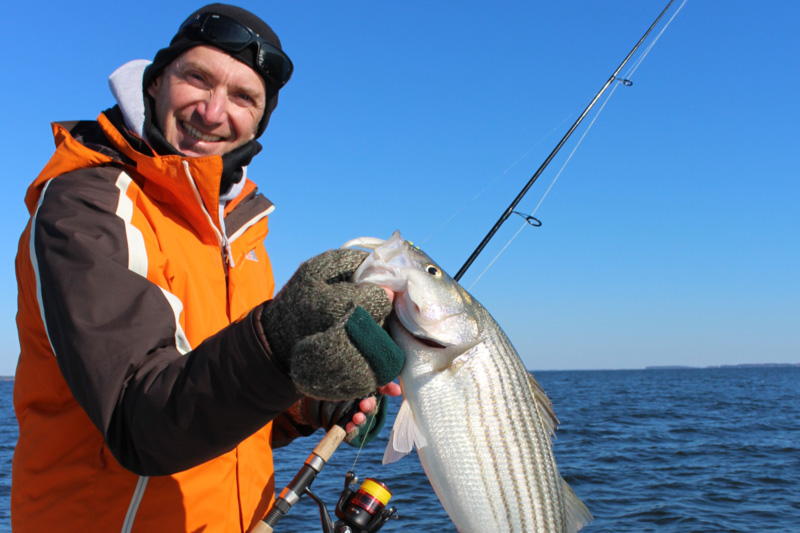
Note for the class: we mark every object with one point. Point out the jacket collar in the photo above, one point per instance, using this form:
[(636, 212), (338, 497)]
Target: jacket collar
[(190, 183), (172, 178)]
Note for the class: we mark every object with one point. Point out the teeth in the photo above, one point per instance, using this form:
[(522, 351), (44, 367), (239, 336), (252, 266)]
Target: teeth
[(197, 134)]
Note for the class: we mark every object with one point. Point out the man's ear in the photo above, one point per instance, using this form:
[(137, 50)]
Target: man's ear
[(153, 87)]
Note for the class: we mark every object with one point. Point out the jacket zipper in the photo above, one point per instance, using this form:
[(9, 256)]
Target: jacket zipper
[(225, 246)]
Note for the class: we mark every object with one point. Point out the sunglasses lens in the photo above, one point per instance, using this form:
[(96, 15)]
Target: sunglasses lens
[(275, 64), (226, 33)]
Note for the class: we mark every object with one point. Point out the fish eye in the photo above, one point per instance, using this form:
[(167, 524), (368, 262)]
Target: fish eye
[(433, 270)]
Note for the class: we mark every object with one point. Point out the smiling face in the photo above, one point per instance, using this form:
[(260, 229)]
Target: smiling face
[(207, 102)]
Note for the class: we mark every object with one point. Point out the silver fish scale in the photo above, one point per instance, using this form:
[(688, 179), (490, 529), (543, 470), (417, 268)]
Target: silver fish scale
[(493, 470)]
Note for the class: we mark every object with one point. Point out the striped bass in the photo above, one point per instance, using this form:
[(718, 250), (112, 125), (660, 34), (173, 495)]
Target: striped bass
[(481, 424)]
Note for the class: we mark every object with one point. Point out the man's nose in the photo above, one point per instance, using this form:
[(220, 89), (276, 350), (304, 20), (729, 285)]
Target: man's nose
[(212, 109)]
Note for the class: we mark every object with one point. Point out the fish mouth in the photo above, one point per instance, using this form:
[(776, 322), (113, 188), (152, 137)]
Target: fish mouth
[(431, 343)]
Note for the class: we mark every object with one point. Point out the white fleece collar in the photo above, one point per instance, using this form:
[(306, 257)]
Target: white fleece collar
[(126, 86)]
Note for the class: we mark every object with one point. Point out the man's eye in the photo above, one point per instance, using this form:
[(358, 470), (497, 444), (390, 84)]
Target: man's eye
[(246, 99)]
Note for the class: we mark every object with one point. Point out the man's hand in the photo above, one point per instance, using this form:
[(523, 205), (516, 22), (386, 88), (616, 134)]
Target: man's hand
[(326, 332), (367, 406)]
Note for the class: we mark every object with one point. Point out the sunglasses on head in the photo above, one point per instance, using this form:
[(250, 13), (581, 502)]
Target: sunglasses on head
[(231, 36)]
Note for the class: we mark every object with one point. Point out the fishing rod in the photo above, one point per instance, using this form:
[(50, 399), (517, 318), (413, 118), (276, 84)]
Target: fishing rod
[(364, 510), (510, 209)]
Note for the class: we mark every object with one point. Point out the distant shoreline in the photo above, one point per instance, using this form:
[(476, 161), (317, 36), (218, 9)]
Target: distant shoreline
[(743, 365)]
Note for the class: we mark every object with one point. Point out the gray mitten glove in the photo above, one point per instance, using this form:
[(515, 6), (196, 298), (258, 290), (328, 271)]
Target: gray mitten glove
[(325, 329)]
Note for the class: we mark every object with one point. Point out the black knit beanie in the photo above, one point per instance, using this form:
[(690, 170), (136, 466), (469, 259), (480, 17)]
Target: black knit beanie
[(183, 42)]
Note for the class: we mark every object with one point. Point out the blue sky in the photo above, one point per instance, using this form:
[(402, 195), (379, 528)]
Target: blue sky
[(671, 237)]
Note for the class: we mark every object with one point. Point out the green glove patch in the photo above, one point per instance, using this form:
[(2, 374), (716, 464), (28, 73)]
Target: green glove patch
[(376, 346)]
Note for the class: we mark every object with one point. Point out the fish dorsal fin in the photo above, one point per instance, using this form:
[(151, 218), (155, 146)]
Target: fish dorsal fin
[(544, 405), (576, 513), (405, 435)]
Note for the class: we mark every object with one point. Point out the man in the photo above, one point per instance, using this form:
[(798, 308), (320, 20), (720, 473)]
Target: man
[(156, 373)]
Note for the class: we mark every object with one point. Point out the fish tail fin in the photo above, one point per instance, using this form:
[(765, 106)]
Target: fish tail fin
[(576, 513), (405, 435)]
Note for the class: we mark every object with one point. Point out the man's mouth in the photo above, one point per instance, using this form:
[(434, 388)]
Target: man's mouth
[(199, 135)]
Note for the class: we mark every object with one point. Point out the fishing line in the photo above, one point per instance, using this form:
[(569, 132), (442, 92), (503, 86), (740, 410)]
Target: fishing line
[(638, 62), (510, 209), (526, 223), (627, 77), (491, 183), (372, 417)]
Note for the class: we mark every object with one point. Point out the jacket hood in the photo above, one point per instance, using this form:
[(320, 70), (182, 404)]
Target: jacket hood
[(126, 86)]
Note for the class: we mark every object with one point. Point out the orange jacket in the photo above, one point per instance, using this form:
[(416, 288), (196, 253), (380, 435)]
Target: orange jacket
[(140, 388)]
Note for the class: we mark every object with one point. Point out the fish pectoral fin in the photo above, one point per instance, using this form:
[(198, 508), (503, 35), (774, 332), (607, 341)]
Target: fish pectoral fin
[(455, 357), (405, 435), (577, 514)]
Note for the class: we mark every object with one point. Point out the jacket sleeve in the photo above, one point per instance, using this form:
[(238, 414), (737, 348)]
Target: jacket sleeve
[(114, 334)]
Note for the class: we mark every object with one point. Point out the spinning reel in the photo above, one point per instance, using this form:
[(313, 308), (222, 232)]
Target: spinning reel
[(361, 510)]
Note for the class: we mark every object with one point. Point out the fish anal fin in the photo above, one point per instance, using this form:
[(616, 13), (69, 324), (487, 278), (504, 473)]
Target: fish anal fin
[(405, 435), (576, 513)]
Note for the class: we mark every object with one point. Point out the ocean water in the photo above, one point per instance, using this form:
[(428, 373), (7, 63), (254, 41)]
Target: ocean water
[(647, 450), (8, 439)]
